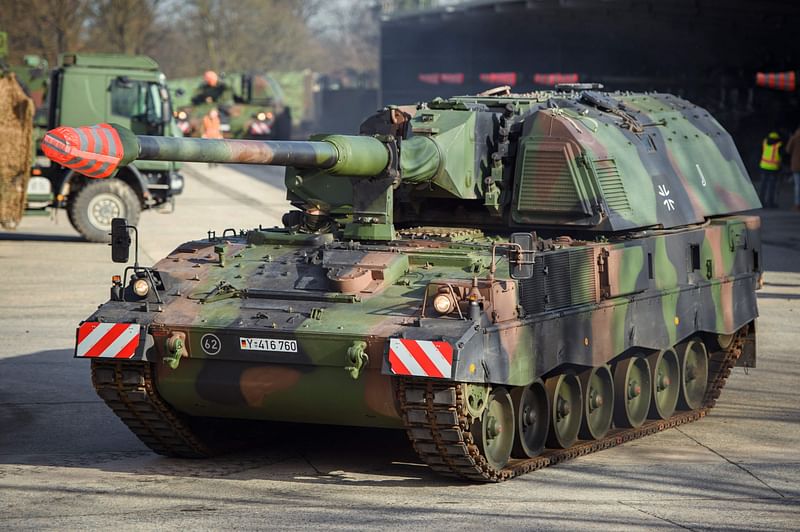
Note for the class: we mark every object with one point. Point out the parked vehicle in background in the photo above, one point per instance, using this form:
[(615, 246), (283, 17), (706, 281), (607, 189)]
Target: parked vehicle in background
[(115, 88), (251, 106)]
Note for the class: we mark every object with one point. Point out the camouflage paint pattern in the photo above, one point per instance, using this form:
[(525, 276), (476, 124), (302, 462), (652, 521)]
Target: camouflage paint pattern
[(617, 266)]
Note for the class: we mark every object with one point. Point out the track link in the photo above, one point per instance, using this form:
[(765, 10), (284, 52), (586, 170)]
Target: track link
[(439, 426), (129, 390)]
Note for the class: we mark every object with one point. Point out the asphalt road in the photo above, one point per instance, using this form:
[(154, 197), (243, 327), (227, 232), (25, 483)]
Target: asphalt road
[(66, 462)]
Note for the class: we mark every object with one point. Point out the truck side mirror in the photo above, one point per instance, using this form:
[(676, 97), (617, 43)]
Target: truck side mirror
[(120, 240), (521, 255)]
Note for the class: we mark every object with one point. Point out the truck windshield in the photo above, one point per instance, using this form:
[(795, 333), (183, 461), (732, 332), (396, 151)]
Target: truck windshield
[(264, 89), (137, 99), (145, 103)]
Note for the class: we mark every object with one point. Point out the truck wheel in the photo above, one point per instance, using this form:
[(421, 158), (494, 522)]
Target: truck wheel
[(93, 207)]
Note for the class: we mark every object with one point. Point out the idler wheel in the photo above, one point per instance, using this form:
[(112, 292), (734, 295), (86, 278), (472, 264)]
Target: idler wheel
[(566, 410), (632, 391), (665, 375), (598, 402), (533, 422), (495, 429), (693, 361), (724, 341)]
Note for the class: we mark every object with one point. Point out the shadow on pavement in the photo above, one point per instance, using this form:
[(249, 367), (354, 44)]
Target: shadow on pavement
[(38, 237), (57, 420), (768, 295)]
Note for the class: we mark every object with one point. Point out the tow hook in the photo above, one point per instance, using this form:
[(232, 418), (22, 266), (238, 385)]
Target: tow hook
[(176, 348), (356, 359)]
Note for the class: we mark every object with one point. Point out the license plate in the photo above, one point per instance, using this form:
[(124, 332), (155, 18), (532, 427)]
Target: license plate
[(268, 344)]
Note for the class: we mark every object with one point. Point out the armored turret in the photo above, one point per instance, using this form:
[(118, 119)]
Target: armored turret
[(592, 161)]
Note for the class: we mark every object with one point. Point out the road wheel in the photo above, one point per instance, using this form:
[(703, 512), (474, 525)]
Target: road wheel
[(666, 381), (495, 429), (566, 410), (92, 208), (533, 421), (693, 360), (598, 402), (632, 391)]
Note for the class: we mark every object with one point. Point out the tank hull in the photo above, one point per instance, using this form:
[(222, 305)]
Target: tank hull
[(282, 354)]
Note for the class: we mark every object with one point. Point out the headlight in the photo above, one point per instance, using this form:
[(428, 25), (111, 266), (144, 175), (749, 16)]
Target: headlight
[(261, 116), (141, 287), (443, 303), (176, 182)]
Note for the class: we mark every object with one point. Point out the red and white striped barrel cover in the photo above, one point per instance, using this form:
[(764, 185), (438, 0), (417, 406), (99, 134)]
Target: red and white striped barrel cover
[(94, 151), (421, 358), (107, 340)]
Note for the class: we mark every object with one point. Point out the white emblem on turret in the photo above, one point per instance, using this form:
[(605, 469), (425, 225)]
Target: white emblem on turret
[(663, 191)]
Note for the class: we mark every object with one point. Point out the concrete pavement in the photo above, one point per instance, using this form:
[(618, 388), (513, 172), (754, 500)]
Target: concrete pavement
[(66, 462)]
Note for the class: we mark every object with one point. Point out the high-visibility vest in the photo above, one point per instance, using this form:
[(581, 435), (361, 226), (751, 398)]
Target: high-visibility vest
[(211, 127), (770, 156)]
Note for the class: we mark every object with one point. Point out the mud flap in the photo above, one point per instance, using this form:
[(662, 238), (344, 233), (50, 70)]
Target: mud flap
[(748, 357)]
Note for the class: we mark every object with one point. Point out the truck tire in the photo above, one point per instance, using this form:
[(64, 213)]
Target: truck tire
[(92, 208)]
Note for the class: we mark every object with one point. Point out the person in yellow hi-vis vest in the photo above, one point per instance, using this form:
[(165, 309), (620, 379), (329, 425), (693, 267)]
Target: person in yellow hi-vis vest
[(770, 166)]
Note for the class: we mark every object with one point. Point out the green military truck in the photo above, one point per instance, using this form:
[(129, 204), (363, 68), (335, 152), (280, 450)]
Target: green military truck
[(90, 88), (114, 88)]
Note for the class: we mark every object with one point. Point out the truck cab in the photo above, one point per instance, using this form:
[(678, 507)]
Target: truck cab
[(110, 88)]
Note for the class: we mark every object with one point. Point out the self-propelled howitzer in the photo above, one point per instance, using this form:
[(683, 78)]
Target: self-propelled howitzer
[(514, 280)]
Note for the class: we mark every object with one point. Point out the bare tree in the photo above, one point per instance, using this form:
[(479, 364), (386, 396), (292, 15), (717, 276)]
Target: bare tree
[(123, 26), (350, 33), (189, 36), (44, 27), (246, 34)]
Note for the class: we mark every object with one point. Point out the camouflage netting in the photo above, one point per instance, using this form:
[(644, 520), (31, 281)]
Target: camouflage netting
[(16, 125)]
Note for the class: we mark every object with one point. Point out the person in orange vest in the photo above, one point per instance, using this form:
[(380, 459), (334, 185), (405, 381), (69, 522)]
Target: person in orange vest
[(793, 149), (770, 165), (212, 128)]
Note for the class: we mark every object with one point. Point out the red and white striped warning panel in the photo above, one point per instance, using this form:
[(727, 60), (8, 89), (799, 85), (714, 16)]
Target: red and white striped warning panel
[(420, 358), (107, 340)]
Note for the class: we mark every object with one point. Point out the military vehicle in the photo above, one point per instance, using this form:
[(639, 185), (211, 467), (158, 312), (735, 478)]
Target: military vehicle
[(514, 280), (89, 88), (250, 105)]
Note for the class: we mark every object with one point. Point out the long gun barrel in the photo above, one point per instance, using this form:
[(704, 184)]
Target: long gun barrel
[(97, 151)]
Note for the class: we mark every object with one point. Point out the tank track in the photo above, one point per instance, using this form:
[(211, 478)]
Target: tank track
[(433, 412), (129, 390), (438, 425)]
